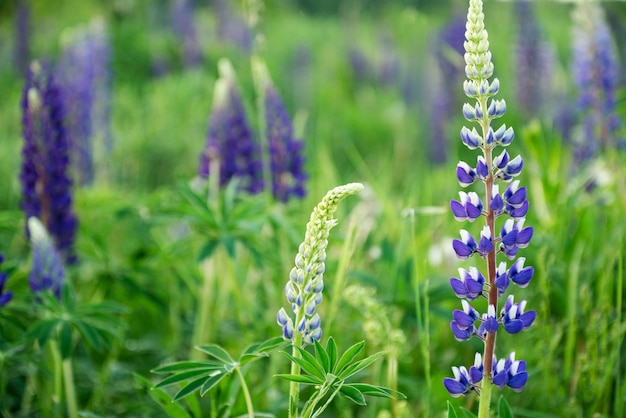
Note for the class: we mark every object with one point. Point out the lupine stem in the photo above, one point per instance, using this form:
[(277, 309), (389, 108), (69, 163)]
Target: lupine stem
[(246, 393), (70, 391), (294, 387), (490, 341)]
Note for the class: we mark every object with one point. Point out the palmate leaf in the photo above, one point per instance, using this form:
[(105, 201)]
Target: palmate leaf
[(322, 357), (451, 411), (189, 375), (187, 366), (306, 379), (309, 364), (331, 349), (377, 391), (66, 343), (353, 394), (354, 368), (349, 355), (258, 350), (217, 352), (42, 330)]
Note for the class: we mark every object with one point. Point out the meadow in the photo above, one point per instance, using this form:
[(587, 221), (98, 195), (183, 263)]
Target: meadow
[(165, 263)]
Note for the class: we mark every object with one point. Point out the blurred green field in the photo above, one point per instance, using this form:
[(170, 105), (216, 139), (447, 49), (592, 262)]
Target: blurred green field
[(140, 241)]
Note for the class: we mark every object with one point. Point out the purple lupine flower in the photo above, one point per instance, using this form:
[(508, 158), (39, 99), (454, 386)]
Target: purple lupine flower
[(533, 63), (85, 76), (185, 31), (285, 152), (47, 272), (230, 146), (231, 27), (491, 169), (389, 65), (594, 68), (5, 297), (510, 372), (46, 186)]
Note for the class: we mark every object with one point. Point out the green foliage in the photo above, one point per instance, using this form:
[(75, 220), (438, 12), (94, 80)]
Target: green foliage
[(328, 372), (97, 323), (203, 376)]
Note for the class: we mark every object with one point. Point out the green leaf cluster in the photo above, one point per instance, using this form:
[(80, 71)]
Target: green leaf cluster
[(97, 323), (328, 372), (204, 375)]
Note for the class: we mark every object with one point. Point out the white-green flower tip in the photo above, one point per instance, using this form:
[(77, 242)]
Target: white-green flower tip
[(477, 55)]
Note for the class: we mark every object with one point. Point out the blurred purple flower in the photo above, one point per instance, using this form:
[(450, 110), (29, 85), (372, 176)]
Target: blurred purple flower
[(534, 60), (231, 27), (595, 70), (185, 30), (85, 76), (285, 151), (230, 144), (46, 186)]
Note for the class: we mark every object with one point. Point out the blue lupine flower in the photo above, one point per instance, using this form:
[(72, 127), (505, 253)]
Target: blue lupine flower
[(595, 75), (47, 272), (285, 151), (490, 170), (230, 146), (85, 77), (5, 297), (510, 372), (46, 186)]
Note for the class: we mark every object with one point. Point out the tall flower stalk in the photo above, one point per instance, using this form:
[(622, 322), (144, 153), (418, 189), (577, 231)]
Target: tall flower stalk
[(306, 283), (46, 185), (490, 170)]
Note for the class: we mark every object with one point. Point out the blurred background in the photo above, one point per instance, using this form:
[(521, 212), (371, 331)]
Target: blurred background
[(374, 91)]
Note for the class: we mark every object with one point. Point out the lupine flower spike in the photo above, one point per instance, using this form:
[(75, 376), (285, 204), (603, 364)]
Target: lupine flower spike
[(230, 146), (285, 152), (511, 206), (46, 186), (306, 281)]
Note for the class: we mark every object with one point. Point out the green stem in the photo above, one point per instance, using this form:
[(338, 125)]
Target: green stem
[(246, 393), (70, 390), (202, 331), (485, 398), (294, 387), (57, 396)]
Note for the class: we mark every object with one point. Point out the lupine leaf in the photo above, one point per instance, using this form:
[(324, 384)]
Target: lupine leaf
[(189, 389), (378, 391), (358, 366), (41, 330), (66, 344), (353, 394), (349, 355), (172, 409), (312, 369), (504, 409), (306, 379), (451, 411), (211, 382), (189, 365), (331, 349), (271, 344), (90, 335), (181, 377), (322, 357), (308, 357), (207, 249), (216, 351)]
